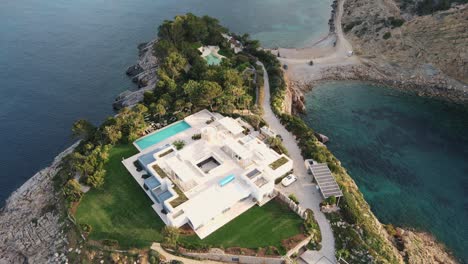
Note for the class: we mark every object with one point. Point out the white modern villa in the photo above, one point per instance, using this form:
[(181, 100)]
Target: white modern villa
[(221, 172)]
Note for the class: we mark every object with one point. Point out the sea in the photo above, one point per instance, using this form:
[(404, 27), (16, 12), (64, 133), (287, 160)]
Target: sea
[(407, 154)]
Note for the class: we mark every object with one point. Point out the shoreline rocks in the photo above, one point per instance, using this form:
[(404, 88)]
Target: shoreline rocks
[(143, 73), (31, 228)]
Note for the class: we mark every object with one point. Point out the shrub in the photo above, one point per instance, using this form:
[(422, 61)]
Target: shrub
[(330, 200), (278, 163), (166, 153), (110, 242), (72, 191), (86, 228), (171, 236), (387, 35), (293, 198), (179, 144), (311, 226), (396, 22), (153, 256), (196, 136)]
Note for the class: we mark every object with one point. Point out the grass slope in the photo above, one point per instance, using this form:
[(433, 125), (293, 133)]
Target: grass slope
[(120, 210), (258, 227)]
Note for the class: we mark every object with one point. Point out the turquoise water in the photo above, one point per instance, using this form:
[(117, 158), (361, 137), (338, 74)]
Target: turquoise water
[(161, 135), (408, 155), (64, 60), (212, 59)]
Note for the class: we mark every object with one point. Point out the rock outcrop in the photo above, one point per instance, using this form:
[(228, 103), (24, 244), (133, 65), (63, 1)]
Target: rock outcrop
[(422, 248), (31, 230), (143, 73), (431, 48)]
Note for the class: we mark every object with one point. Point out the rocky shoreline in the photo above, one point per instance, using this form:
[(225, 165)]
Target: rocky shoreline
[(31, 224), (437, 86), (143, 73)]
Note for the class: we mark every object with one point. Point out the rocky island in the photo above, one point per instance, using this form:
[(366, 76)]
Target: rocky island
[(38, 223)]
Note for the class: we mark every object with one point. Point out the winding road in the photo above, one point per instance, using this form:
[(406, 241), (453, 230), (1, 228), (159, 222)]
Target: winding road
[(303, 188)]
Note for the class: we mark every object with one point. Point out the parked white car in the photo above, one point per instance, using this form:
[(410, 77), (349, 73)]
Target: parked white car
[(288, 180)]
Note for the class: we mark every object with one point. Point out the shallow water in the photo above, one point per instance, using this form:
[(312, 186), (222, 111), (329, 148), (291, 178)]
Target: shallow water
[(64, 60), (408, 155)]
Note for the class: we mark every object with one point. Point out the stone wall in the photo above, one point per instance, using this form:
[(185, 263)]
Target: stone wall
[(235, 258), (301, 212)]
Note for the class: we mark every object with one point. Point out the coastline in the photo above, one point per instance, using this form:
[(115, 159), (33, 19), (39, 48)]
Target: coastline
[(333, 63), (31, 222), (145, 76), (330, 65)]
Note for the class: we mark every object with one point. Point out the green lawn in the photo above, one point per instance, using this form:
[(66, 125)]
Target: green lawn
[(120, 210), (258, 227)]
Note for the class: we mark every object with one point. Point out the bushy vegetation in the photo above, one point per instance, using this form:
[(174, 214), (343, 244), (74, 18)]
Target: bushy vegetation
[(277, 144), (186, 83), (293, 198), (196, 136), (387, 35), (171, 236), (72, 191), (278, 163), (313, 229), (179, 144), (396, 22)]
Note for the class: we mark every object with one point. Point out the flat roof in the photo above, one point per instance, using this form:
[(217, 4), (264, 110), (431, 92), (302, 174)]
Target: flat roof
[(238, 148), (184, 172), (325, 180), (231, 125), (213, 201)]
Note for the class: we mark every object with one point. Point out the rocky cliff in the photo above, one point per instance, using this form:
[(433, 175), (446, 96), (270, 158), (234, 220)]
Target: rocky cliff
[(31, 227), (430, 49), (422, 248), (143, 73)]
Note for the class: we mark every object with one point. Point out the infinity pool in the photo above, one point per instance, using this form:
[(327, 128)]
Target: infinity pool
[(161, 135)]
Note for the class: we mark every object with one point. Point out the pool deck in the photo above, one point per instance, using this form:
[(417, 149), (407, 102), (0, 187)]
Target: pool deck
[(196, 122)]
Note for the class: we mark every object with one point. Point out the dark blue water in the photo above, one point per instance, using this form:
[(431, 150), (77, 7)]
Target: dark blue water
[(64, 60), (408, 155)]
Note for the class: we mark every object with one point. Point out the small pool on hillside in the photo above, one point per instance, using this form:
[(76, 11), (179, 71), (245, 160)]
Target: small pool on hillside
[(161, 135), (211, 59)]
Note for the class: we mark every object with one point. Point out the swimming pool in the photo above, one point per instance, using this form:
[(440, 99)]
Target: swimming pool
[(211, 59), (161, 135)]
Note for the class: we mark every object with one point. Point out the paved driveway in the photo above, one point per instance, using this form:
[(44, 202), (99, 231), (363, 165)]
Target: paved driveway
[(303, 188)]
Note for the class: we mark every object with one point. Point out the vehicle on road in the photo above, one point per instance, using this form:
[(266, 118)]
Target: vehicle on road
[(288, 180)]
